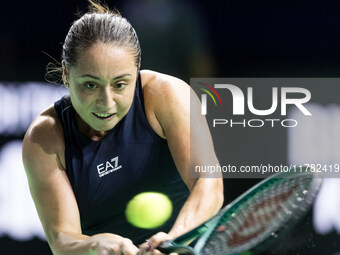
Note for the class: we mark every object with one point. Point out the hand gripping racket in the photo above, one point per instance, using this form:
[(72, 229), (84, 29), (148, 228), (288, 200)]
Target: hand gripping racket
[(253, 221)]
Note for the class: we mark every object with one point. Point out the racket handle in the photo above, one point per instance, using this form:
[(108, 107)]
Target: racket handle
[(169, 247)]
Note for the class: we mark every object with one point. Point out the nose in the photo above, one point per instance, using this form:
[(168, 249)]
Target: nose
[(106, 97)]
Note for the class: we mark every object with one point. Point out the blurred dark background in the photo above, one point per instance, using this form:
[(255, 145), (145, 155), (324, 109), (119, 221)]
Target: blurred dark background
[(239, 38), (186, 39)]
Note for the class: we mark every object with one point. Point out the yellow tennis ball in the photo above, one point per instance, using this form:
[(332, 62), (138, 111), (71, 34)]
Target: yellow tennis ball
[(148, 210)]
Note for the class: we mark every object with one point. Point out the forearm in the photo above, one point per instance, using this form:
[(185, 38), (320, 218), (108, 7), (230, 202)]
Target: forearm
[(105, 243), (205, 200), (71, 243)]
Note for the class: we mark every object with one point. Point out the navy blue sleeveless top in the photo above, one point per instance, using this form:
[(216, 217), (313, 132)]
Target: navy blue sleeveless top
[(106, 174)]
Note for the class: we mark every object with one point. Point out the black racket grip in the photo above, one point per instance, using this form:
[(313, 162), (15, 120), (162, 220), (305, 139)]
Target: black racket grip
[(169, 247)]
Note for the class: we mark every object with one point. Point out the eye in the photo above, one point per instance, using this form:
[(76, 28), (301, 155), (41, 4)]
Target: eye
[(120, 85), (89, 85)]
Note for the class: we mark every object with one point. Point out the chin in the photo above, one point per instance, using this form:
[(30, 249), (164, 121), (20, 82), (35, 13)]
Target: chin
[(99, 127), (106, 128), (103, 129)]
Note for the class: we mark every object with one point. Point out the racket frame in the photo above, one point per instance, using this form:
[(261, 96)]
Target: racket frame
[(203, 231)]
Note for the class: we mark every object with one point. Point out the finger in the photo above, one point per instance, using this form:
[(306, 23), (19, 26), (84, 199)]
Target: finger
[(144, 248), (114, 251), (128, 248), (129, 251), (152, 252), (156, 239), (156, 252), (103, 251)]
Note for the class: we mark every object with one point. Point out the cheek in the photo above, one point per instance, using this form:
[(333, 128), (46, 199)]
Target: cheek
[(129, 98), (79, 98), (124, 101)]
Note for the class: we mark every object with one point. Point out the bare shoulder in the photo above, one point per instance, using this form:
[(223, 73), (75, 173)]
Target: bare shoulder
[(43, 137), (45, 129), (162, 91), (166, 98), (155, 82)]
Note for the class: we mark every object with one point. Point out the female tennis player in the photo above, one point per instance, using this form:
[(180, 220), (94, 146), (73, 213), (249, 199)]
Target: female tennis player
[(121, 132)]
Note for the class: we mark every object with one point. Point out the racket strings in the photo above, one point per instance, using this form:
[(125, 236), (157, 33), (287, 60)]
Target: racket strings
[(259, 215)]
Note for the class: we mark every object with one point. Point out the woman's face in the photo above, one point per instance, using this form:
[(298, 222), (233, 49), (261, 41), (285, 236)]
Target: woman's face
[(102, 86)]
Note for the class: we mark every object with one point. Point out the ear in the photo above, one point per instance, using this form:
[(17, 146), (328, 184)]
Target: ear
[(65, 74)]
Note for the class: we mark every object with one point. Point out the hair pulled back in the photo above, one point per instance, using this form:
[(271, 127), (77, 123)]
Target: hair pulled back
[(99, 24)]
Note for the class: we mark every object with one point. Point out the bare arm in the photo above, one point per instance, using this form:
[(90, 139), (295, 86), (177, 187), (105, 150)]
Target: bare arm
[(171, 106), (53, 196)]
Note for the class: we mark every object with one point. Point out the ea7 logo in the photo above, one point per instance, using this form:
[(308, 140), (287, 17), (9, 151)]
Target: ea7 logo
[(239, 98), (108, 167)]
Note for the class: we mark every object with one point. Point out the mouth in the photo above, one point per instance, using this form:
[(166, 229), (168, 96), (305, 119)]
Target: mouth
[(104, 116)]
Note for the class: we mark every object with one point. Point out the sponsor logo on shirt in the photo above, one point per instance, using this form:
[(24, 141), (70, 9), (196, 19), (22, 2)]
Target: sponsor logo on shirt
[(108, 167)]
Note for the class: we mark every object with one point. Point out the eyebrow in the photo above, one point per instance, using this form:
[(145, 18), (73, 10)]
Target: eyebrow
[(97, 78)]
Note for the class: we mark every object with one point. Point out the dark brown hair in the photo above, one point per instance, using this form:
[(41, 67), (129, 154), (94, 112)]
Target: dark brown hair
[(99, 24)]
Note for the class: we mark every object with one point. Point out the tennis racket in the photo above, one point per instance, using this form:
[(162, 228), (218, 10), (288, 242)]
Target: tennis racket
[(255, 220)]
